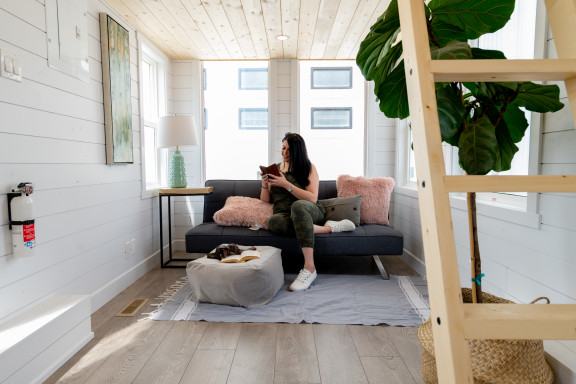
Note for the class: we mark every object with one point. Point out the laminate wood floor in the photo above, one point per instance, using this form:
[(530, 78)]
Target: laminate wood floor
[(132, 350)]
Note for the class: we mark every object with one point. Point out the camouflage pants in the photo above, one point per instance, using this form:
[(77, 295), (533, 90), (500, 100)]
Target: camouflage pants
[(298, 222)]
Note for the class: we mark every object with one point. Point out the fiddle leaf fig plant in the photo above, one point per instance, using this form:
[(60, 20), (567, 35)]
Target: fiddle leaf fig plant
[(484, 120)]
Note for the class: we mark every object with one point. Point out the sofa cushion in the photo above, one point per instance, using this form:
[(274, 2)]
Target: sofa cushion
[(340, 208), (368, 239), (244, 211), (375, 193)]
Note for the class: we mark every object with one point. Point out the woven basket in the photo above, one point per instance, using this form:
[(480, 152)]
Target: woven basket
[(493, 361)]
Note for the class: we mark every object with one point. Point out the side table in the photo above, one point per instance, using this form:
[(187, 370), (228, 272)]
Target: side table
[(169, 192)]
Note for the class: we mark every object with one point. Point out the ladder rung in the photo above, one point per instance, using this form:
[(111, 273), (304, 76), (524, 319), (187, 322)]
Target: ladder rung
[(520, 183), (520, 321), (503, 70)]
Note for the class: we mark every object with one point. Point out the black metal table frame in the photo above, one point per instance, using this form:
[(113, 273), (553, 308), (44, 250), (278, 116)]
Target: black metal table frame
[(168, 195)]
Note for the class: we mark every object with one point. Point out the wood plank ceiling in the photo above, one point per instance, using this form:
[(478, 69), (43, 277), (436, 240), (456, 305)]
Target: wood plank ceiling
[(247, 29)]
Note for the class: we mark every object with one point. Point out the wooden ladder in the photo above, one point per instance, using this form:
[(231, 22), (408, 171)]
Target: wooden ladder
[(452, 321)]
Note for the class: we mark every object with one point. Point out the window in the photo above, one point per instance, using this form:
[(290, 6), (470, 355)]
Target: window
[(331, 78), (516, 41), (253, 118), (450, 158), (237, 140), (331, 118), (252, 78), (152, 85)]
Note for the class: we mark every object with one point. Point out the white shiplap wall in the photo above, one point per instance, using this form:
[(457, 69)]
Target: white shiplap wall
[(521, 262), (380, 139), (186, 99), (52, 134), (380, 144), (282, 104)]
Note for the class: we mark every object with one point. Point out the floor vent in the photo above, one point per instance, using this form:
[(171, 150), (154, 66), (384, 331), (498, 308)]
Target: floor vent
[(133, 307)]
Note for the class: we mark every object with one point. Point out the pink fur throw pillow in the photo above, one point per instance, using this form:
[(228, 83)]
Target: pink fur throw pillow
[(375, 193), (244, 211)]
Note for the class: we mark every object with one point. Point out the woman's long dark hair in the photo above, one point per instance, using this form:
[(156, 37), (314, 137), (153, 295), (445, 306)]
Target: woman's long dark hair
[(300, 164)]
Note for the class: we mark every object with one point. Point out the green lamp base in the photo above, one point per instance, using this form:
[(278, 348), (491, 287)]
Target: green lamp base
[(177, 176)]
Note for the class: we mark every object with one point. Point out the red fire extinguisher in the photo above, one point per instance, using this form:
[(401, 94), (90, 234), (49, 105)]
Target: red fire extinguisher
[(22, 220)]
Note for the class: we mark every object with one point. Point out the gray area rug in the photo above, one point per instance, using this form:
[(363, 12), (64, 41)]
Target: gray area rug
[(332, 299)]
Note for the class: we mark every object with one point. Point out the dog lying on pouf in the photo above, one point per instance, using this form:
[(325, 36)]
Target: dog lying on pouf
[(225, 250)]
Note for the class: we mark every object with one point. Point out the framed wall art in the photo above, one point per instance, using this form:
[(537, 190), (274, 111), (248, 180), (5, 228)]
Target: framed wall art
[(117, 91)]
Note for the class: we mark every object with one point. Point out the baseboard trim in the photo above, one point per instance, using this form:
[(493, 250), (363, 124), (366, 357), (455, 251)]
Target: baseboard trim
[(179, 245), (114, 287), (562, 360), (413, 261)]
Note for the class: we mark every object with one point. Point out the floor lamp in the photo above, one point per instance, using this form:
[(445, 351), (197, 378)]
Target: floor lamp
[(177, 131)]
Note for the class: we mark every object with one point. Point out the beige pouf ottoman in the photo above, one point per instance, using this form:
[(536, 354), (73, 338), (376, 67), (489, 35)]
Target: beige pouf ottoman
[(248, 284)]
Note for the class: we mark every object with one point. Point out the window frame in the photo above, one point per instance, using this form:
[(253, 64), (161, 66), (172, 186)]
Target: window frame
[(252, 128), (315, 109), (149, 53), (252, 88), (327, 69)]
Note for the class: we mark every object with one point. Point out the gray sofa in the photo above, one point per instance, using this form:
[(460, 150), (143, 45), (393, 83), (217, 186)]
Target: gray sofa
[(365, 240)]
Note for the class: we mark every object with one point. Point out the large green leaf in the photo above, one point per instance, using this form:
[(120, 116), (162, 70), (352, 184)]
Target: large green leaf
[(392, 56), (372, 52), (474, 17), (483, 54), (456, 51), (378, 48), (451, 111), (393, 94), (516, 122), (390, 19), (367, 57), (506, 149), (510, 129), (444, 34), (538, 98), (478, 146)]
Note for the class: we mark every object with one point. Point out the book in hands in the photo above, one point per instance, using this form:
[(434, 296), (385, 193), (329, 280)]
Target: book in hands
[(242, 258), (272, 169)]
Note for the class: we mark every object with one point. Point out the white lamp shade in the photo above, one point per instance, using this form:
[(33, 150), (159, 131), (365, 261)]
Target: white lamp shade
[(175, 131)]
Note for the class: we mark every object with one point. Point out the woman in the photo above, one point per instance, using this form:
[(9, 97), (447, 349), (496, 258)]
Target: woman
[(297, 211)]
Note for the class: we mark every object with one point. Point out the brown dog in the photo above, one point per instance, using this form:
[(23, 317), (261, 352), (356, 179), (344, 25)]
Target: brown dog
[(225, 250)]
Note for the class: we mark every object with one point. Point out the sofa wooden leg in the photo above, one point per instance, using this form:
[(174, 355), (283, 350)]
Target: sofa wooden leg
[(381, 267)]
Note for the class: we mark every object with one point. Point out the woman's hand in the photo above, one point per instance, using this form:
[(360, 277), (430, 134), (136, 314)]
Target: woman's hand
[(278, 181), (265, 181)]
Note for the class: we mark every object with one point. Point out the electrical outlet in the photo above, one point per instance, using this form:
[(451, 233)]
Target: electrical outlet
[(132, 247), (127, 249)]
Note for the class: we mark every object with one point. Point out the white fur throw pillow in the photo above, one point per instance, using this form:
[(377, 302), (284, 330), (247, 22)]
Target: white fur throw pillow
[(244, 211), (375, 193)]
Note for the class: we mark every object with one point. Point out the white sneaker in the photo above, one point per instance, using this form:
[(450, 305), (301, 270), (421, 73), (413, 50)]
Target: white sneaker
[(340, 226), (303, 281)]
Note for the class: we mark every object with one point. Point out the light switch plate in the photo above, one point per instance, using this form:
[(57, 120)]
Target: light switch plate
[(10, 65)]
